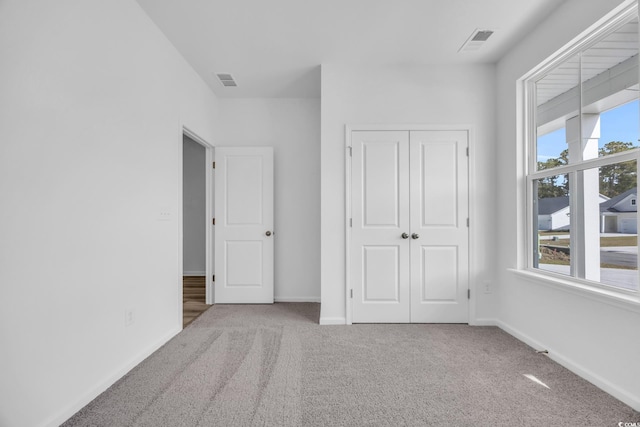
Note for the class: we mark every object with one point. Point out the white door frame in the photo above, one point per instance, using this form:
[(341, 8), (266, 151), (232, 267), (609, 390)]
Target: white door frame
[(472, 203), (209, 267)]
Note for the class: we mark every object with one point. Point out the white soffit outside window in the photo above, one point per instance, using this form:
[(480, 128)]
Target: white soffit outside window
[(611, 59)]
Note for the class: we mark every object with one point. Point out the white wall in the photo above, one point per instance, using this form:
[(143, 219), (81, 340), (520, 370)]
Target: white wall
[(194, 207), (292, 128), (597, 339), (460, 95), (93, 102)]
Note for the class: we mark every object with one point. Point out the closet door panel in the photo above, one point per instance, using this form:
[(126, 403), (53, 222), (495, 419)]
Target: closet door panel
[(439, 211), (380, 199), (439, 184)]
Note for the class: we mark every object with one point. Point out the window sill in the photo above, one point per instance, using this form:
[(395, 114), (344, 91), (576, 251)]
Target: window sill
[(626, 301)]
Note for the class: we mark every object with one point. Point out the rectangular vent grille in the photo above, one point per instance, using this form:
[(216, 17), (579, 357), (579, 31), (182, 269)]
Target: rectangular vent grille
[(482, 36), (226, 79), (476, 40)]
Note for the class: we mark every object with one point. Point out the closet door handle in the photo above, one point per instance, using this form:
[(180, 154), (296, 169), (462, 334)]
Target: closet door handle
[(415, 236), (405, 236)]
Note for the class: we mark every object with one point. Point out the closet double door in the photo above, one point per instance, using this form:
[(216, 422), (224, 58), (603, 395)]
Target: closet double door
[(409, 250)]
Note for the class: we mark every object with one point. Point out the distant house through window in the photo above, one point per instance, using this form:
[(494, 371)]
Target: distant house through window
[(582, 114)]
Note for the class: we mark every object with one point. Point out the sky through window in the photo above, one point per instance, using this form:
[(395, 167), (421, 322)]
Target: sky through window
[(617, 124)]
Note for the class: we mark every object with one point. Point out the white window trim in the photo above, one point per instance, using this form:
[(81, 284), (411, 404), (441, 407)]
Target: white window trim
[(586, 164), (602, 292)]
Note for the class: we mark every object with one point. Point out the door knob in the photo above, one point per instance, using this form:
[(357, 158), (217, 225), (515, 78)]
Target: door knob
[(415, 236), (268, 233), (405, 236)]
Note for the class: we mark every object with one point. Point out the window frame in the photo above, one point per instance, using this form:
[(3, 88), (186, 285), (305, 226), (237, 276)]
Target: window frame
[(600, 30)]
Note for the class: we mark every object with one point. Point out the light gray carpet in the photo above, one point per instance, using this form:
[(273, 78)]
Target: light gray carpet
[(273, 365)]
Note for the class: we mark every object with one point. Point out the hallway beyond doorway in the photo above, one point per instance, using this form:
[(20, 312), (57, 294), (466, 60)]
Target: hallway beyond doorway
[(193, 298)]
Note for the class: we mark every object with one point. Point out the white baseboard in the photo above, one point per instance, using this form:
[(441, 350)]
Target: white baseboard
[(297, 299), (484, 322), (622, 395), (333, 321), (91, 394), (194, 273)]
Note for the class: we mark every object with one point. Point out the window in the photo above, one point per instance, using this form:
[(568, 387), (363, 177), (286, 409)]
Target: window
[(583, 115)]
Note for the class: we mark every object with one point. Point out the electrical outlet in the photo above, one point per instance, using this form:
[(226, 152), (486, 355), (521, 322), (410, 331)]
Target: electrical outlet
[(129, 316)]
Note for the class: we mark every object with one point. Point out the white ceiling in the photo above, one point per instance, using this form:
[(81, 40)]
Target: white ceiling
[(274, 48)]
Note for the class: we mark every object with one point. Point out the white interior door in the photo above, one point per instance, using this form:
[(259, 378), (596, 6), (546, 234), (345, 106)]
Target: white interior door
[(244, 225), (379, 253), (409, 234), (439, 231)]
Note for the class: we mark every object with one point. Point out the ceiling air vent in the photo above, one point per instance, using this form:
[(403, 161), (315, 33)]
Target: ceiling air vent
[(476, 40), (226, 79)]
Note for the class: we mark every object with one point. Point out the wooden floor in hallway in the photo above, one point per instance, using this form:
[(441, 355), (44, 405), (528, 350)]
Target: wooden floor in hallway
[(193, 298)]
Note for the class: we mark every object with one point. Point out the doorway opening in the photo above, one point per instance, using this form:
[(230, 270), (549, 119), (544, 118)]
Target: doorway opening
[(197, 239)]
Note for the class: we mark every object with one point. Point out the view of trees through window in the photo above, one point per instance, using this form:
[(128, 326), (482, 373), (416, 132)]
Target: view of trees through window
[(614, 179), (583, 173), (614, 227)]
